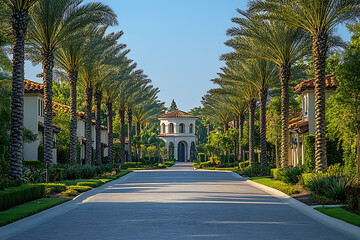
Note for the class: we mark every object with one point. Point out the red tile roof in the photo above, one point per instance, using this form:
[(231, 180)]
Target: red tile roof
[(299, 126), (177, 114), (33, 87), (330, 84), (66, 108)]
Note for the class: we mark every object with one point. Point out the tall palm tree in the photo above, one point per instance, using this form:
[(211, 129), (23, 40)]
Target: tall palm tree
[(52, 22), (273, 41), (20, 19), (71, 56), (319, 18), (91, 76)]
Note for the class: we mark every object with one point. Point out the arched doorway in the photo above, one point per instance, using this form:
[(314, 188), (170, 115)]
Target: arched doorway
[(181, 152)]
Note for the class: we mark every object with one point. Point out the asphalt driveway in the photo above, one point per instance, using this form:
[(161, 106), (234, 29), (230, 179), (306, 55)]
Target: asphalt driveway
[(175, 203)]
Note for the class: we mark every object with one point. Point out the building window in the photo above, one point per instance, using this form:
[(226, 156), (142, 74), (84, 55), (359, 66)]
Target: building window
[(191, 128), (40, 107), (163, 128), (182, 128), (171, 128), (305, 107)]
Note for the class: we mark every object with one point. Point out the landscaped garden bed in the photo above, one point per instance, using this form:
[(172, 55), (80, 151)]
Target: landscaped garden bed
[(19, 199)]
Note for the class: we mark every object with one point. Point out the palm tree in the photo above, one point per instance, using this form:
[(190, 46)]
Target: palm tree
[(91, 76), (319, 18), (273, 41), (71, 56), (52, 22), (262, 75), (20, 19)]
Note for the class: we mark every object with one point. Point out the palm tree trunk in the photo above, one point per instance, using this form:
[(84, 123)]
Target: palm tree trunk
[(319, 48), (73, 77), (129, 113), (137, 128), (252, 106), (284, 75), (48, 65), (263, 98), (122, 135), (20, 20), (138, 150), (110, 132), (276, 154), (88, 124), (241, 136), (98, 97)]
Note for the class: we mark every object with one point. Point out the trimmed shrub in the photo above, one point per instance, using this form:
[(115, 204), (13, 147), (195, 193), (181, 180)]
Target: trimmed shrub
[(202, 157), (274, 173), (33, 163), (255, 171), (169, 163), (305, 178), (18, 195), (352, 193), (290, 175), (70, 193), (309, 158), (90, 184), (54, 187), (79, 188)]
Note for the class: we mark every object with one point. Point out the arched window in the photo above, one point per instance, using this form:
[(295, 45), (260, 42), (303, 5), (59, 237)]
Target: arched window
[(182, 128), (191, 128), (171, 128), (163, 128)]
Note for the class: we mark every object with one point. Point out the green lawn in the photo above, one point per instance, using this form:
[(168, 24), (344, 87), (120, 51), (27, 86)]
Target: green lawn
[(340, 213), (24, 210), (281, 186)]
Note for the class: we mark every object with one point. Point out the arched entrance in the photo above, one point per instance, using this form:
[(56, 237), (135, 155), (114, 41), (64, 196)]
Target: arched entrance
[(181, 152)]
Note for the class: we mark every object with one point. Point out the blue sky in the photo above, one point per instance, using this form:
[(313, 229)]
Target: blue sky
[(176, 42)]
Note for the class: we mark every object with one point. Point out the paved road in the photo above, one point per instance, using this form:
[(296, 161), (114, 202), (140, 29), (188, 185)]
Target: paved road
[(177, 203)]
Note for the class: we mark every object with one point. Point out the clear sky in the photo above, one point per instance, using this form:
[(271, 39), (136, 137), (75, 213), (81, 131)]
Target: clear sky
[(176, 42)]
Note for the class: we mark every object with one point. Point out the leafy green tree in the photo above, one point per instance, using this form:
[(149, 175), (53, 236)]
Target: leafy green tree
[(173, 106), (346, 102), (319, 18)]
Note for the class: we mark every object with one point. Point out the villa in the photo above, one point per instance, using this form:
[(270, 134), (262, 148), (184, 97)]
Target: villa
[(34, 121), (305, 125), (178, 127)]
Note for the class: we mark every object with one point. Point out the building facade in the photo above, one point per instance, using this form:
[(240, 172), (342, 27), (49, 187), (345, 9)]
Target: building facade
[(178, 127), (34, 121), (305, 125)]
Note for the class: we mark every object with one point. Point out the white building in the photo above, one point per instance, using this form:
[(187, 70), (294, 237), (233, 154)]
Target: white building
[(34, 121), (305, 125), (178, 127)]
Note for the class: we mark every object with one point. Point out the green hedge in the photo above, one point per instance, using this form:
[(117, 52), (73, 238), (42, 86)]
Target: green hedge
[(18, 195), (57, 174), (79, 188), (274, 173), (202, 157), (309, 158), (33, 163), (90, 184), (54, 187)]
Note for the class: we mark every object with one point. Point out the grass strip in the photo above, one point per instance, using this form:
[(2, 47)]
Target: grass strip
[(281, 186), (27, 209), (340, 213)]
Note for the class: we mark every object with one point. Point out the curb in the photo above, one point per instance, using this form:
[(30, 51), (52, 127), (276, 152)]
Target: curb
[(334, 223)]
